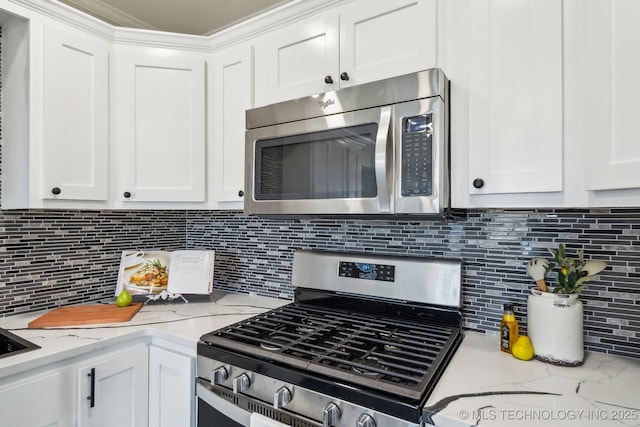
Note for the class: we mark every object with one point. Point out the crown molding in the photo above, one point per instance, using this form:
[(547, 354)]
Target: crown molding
[(109, 14), (243, 31), (67, 14), (270, 20)]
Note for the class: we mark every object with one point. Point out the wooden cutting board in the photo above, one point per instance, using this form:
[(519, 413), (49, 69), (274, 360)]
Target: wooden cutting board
[(86, 315)]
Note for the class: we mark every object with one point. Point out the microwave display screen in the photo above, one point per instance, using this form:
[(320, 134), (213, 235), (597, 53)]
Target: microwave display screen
[(331, 164)]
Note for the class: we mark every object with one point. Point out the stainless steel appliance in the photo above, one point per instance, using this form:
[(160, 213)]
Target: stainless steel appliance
[(377, 148), (363, 344)]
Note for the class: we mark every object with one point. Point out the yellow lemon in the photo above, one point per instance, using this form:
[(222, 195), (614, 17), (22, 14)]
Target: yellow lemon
[(522, 348)]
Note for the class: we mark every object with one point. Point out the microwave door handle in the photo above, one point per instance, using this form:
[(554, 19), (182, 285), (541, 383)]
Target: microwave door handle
[(383, 160)]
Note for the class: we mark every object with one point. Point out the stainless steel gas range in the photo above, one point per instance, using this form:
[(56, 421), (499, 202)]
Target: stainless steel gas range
[(363, 344)]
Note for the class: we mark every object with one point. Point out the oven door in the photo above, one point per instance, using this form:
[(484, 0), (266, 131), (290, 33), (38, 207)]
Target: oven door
[(338, 164), (215, 411)]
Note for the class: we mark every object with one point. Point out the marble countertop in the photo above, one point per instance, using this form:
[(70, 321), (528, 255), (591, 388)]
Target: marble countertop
[(481, 386), (485, 387), (183, 323)]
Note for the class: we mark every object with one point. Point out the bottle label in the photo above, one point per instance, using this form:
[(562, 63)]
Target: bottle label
[(504, 337)]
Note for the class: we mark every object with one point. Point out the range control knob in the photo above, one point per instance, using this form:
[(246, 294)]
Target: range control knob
[(330, 415), (241, 383), (219, 375), (281, 397), (365, 420)]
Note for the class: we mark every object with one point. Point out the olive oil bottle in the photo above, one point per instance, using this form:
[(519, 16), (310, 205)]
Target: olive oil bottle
[(508, 329)]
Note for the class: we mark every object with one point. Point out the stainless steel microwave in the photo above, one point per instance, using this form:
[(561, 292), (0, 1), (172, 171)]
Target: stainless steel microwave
[(377, 148)]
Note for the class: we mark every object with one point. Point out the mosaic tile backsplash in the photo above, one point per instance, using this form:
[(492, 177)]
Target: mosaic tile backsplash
[(54, 258), (255, 255)]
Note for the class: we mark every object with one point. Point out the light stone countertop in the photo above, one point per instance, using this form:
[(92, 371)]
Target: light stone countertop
[(481, 386), (486, 387), (183, 323)]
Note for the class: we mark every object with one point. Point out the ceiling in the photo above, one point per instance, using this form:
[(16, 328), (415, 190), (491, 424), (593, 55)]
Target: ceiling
[(200, 17)]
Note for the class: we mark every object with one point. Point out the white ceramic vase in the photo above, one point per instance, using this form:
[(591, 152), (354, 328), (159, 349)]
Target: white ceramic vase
[(555, 327)]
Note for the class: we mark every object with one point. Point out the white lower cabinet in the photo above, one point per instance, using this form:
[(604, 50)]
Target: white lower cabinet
[(113, 389), (171, 388), (137, 383), (36, 401)]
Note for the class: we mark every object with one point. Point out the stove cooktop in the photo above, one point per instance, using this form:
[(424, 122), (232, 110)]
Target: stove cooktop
[(385, 354)]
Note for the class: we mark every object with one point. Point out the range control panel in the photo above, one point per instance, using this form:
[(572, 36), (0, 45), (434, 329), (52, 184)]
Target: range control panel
[(367, 271), (417, 156)]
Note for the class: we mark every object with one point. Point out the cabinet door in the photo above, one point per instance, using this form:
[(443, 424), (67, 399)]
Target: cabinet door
[(383, 39), (161, 106), (609, 37), (113, 390), (32, 402), (504, 60), (171, 388), (75, 117), (298, 60), (231, 95)]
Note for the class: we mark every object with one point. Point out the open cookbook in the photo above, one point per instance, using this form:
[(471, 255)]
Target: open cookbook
[(176, 272)]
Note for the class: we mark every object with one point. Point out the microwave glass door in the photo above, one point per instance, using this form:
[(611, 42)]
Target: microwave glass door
[(337, 163)]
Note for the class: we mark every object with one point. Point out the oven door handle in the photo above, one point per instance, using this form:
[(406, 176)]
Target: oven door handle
[(384, 160), (235, 413)]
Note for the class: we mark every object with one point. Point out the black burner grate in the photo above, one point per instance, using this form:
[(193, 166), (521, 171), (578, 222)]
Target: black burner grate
[(386, 354)]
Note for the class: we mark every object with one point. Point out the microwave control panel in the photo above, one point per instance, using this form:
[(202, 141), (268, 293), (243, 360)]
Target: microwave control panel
[(417, 156)]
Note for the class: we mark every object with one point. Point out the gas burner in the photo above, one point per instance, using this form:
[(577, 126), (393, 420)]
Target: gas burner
[(275, 343), (307, 326), (390, 348), (366, 365)]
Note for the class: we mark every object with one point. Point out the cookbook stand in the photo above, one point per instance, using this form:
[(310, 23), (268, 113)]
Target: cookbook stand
[(164, 295)]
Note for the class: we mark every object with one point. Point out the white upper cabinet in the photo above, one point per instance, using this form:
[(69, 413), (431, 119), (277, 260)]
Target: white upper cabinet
[(602, 77), (504, 60), (75, 116), (231, 94), (56, 115), (159, 128), (298, 60), (355, 44), (380, 39)]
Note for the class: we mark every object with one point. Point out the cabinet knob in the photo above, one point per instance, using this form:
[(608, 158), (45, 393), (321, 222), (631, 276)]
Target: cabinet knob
[(344, 77), (56, 190), (241, 193), (328, 80), (126, 195), (478, 183)]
